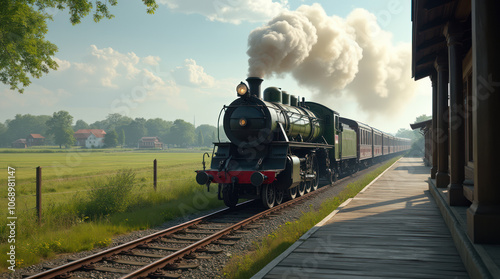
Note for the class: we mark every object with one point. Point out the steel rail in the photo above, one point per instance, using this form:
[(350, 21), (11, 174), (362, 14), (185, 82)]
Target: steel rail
[(75, 265), (171, 259)]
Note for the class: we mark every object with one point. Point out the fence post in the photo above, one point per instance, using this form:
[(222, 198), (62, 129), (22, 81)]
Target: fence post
[(39, 194), (154, 174)]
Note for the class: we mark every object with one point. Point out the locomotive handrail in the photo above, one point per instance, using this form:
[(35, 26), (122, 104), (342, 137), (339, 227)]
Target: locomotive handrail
[(218, 123)]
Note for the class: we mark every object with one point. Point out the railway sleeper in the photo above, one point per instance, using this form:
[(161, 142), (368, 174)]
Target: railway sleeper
[(253, 227), (129, 262), (209, 227), (230, 237), (139, 254), (228, 243), (187, 238), (243, 231), (162, 275), (175, 241), (147, 246), (106, 269), (209, 251), (199, 231), (181, 266)]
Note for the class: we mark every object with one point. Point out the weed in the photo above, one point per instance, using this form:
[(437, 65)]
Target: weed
[(110, 197)]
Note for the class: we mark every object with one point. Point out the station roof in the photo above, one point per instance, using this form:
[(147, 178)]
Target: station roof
[(421, 125), (429, 19)]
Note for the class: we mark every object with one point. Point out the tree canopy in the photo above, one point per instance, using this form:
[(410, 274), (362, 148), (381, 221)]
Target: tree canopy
[(182, 133), (60, 127), (111, 139), (23, 24)]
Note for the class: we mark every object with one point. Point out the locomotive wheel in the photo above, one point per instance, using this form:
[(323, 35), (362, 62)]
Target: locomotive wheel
[(230, 198), (267, 195), (315, 182), (301, 188), (333, 177), (279, 194), (308, 188), (292, 192)]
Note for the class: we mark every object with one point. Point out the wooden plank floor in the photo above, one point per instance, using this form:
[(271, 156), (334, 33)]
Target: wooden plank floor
[(391, 230)]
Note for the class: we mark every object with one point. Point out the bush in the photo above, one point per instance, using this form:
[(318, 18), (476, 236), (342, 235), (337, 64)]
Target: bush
[(110, 196)]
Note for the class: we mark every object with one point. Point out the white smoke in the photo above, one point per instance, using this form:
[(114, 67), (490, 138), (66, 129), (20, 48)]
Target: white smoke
[(331, 56)]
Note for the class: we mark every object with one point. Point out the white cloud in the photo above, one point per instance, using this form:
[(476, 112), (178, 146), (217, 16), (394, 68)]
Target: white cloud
[(63, 64), (192, 74), (151, 60), (104, 79), (231, 11)]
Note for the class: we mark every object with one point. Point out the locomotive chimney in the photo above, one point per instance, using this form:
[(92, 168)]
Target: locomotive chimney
[(254, 84)]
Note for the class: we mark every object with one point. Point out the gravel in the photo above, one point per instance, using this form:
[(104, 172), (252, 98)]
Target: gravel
[(208, 268)]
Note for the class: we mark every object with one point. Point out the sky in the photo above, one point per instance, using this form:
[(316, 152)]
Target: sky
[(185, 61)]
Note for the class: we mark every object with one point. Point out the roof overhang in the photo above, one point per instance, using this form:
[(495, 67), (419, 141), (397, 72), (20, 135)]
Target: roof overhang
[(421, 125), (429, 18)]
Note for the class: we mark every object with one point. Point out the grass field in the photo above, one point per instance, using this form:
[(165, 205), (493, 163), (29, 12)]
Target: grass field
[(68, 173), (86, 200)]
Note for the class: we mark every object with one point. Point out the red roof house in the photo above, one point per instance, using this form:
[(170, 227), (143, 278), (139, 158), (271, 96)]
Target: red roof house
[(90, 138), (20, 143), (35, 139), (150, 142)]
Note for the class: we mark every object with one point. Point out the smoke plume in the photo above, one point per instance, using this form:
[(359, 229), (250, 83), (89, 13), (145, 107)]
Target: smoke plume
[(333, 56)]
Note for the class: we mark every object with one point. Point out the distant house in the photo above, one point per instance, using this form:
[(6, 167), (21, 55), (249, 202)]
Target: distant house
[(150, 142), (90, 138), (35, 140), (20, 143)]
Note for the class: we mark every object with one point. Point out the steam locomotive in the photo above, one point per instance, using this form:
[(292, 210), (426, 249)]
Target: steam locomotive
[(280, 146)]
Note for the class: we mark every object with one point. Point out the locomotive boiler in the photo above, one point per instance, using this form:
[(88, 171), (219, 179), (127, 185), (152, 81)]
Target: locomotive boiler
[(279, 147)]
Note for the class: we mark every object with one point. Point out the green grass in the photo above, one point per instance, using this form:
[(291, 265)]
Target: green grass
[(67, 173), (263, 252), (74, 183)]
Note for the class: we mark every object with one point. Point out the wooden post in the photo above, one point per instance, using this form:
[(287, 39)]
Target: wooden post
[(434, 139), (453, 32), (39, 194), (442, 176), (154, 174), (483, 217)]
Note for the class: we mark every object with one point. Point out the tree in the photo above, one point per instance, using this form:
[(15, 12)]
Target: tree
[(422, 117), (23, 25), (3, 135), (111, 139), (25, 124), (406, 133), (134, 131), (208, 132), (121, 138), (158, 127), (112, 122), (80, 124), (181, 133), (60, 127), (200, 138), (417, 147)]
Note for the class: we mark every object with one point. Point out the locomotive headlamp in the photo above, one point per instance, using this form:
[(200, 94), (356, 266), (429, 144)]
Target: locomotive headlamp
[(241, 89), (243, 122)]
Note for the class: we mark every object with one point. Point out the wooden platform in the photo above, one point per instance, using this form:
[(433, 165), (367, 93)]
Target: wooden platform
[(391, 230)]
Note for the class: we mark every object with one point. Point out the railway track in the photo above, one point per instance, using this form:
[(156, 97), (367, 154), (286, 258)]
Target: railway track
[(166, 253)]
